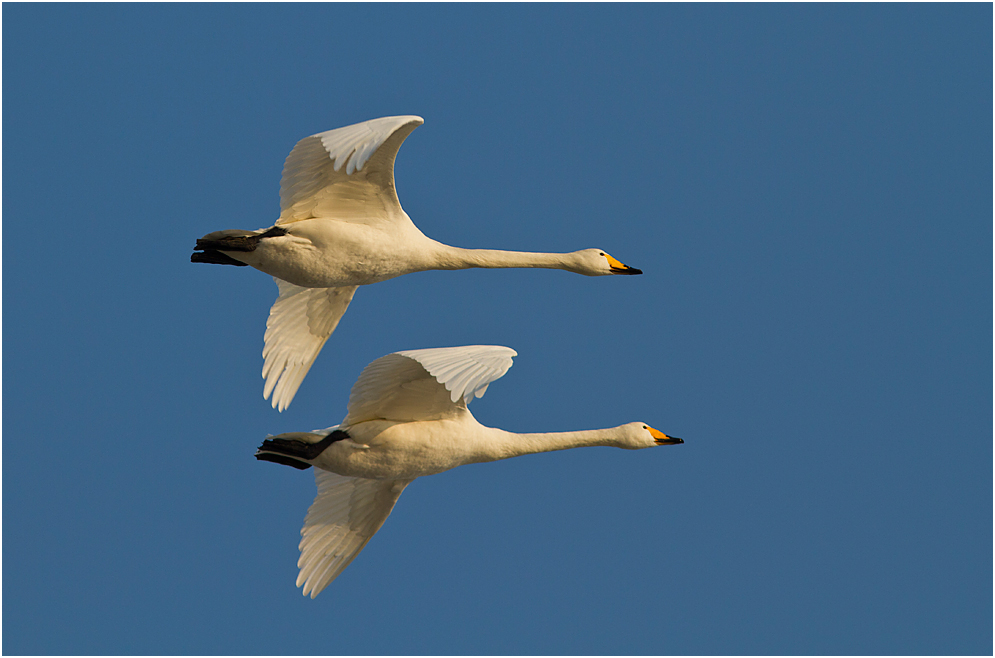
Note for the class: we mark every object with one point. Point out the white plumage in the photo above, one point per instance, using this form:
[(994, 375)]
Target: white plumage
[(408, 417), (341, 226), (344, 515), (464, 372), (299, 323)]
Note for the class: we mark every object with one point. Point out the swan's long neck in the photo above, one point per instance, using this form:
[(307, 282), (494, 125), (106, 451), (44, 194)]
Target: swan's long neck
[(455, 258), (499, 444)]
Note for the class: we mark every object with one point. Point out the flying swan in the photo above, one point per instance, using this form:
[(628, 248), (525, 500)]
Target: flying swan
[(341, 226), (408, 417)]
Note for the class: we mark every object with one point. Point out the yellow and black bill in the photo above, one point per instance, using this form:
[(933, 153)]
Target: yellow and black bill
[(663, 439), (618, 267)]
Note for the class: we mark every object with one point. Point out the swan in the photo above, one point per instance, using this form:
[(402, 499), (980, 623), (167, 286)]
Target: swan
[(407, 417), (341, 226)]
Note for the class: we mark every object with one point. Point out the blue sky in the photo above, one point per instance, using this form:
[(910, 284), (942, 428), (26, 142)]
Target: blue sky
[(808, 190)]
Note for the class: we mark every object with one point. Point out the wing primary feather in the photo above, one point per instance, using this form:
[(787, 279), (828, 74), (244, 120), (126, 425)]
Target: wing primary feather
[(425, 384), (328, 171), (299, 324), (345, 514)]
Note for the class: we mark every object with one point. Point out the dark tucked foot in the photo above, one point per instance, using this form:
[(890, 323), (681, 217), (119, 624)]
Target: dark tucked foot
[(215, 257), (236, 240), (294, 452), (280, 459)]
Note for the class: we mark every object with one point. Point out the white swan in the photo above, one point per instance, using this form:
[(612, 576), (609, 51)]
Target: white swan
[(340, 227), (408, 417)]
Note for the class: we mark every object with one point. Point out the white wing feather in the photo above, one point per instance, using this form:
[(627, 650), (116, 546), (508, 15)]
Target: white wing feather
[(299, 323), (346, 173), (425, 384), (464, 371), (345, 514)]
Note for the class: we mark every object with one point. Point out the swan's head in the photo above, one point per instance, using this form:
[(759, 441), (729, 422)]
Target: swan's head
[(641, 435), (597, 262)]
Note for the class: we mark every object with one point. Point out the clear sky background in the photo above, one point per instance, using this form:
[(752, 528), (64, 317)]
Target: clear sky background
[(807, 188)]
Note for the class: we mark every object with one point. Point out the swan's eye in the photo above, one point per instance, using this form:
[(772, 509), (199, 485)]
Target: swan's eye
[(602, 253), (645, 427)]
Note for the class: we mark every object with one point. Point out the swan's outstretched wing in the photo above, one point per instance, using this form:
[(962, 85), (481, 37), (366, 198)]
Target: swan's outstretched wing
[(344, 515), (299, 323), (346, 173), (425, 384)]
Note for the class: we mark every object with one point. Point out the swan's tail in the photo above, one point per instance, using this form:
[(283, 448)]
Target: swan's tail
[(210, 247), (297, 448)]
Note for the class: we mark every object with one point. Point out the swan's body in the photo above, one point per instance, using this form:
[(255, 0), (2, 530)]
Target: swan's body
[(341, 226), (407, 418), (325, 253)]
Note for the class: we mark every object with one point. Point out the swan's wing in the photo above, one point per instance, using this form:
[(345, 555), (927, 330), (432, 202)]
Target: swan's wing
[(346, 173), (425, 384), (299, 323), (344, 515)]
